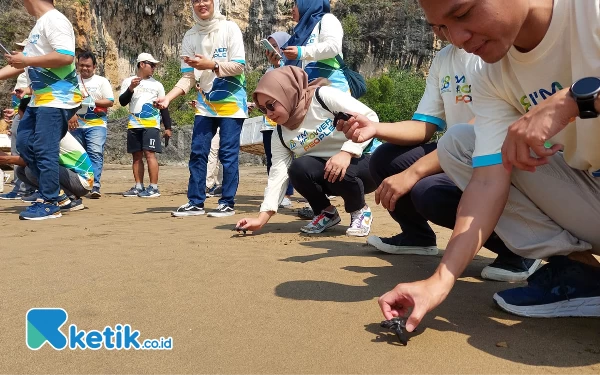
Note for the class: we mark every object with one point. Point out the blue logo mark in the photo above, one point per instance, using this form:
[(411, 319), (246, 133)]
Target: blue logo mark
[(43, 325)]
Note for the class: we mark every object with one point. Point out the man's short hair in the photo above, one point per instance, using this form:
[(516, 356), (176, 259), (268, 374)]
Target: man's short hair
[(87, 55)]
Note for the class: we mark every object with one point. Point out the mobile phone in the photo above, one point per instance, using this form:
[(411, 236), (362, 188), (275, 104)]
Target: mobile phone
[(265, 43), (184, 56), (4, 49)]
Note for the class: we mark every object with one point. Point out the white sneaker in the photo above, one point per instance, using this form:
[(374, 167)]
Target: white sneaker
[(286, 203), (188, 209), (360, 222)]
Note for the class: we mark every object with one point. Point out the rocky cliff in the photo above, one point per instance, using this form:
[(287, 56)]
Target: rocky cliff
[(378, 34)]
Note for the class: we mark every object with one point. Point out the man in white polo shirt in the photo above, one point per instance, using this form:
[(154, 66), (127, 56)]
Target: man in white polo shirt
[(543, 203), (89, 125)]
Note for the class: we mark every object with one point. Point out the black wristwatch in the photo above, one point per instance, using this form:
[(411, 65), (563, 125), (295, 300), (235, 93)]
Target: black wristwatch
[(585, 91), (216, 67)]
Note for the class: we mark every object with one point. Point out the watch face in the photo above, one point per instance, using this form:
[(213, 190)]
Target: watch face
[(586, 87)]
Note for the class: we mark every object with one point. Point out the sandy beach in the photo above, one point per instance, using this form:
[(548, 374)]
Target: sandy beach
[(273, 302)]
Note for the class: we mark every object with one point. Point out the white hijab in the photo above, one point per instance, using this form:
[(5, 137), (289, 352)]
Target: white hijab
[(209, 31)]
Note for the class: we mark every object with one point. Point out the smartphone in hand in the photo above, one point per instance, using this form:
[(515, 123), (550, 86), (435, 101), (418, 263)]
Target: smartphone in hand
[(341, 116), (266, 45), (4, 49)]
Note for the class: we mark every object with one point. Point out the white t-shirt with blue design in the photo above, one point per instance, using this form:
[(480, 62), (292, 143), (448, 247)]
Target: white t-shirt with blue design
[(227, 98), (52, 87), (448, 97)]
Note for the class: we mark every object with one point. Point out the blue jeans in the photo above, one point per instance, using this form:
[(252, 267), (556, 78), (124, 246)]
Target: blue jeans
[(93, 140), (205, 129), (267, 135), (40, 132)]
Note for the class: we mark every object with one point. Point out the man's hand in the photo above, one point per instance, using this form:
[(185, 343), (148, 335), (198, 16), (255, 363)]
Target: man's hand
[(8, 114), (73, 124), (135, 82), (273, 58), (291, 52), (423, 296), (336, 166), (20, 93), (394, 187), (168, 133), (17, 60), (534, 128), (199, 62), (359, 128), (162, 103)]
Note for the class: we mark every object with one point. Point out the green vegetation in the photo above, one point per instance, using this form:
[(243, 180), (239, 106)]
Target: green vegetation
[(120, 112), (394, 96)]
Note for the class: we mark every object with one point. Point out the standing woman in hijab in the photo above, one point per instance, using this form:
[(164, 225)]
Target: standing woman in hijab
[(317, 158), (316, 42), (212, 54)]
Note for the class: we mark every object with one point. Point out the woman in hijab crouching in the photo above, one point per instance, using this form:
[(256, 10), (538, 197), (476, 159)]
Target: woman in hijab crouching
[(212, 54), (318, 159)]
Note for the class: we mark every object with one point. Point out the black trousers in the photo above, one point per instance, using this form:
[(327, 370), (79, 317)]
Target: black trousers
[(307, 174), (434, 198)]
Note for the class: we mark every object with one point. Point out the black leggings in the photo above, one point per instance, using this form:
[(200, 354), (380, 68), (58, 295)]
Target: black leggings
[(307, 174)]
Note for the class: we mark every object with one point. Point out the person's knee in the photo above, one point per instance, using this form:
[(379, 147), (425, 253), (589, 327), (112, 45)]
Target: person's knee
[(379, 160), (457, 142), (150, 155), (424, 199), (138, 156), (298, 170)]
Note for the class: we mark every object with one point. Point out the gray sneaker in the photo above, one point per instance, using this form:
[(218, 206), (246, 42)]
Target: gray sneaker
[(149, 192), (133, 192), (95, 193)]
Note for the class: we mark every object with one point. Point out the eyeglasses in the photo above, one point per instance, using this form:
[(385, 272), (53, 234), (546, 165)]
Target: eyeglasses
[(268, 106), (152, 65)]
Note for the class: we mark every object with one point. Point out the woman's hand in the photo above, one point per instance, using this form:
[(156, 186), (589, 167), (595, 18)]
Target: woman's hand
[(162, 103), (273, 58), (199, 62), (336, 166), (291, 52), (254, 224)]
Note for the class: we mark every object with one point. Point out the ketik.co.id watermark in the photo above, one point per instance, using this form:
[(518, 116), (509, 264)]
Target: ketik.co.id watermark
[(43, 325)]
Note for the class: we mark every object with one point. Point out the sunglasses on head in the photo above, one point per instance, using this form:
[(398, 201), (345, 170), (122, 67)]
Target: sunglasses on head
[(153, 65), (268, 106)]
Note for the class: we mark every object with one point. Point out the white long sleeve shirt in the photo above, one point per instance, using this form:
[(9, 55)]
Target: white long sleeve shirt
[(318, 56), (316, 136)]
